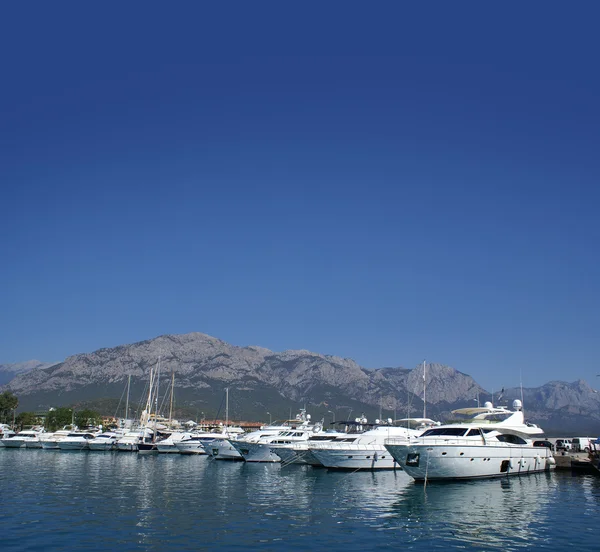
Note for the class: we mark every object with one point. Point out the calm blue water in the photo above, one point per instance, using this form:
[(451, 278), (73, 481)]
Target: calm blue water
[(52, 500)]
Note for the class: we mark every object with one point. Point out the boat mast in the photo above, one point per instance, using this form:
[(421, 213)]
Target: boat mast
[(145, 418), (226, 406), (127, 400), (424, 390), (156, 400), (171, 405)]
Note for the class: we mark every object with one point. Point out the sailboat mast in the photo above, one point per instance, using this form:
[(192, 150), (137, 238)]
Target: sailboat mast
[(226, 406), (171, 404), (145, 418), (424, 390), (156, 399), (127, 400)]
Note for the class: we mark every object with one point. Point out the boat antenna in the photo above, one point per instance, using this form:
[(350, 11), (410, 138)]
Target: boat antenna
[(521, 380)]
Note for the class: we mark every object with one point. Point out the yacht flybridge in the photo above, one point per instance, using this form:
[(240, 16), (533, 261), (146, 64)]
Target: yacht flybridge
[(481, 442)]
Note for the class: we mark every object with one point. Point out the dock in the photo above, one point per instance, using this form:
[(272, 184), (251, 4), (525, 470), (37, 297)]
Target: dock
[(575, 461)]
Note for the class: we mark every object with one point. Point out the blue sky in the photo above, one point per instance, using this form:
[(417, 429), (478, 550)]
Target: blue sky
[(387, 183)]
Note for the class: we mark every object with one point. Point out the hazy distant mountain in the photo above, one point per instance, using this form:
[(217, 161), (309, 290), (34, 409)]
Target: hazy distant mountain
[(262, 382), (10, 371)]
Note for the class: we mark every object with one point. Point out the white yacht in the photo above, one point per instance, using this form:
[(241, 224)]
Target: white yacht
[(482, 442), (129, 441), (50, 440), (193, 443), (300, 452), (5, 433), (105, 441), (262, 449), (224, 449), (76, 440), (23, 437), (220, 448), (366, 451), (167, 445)]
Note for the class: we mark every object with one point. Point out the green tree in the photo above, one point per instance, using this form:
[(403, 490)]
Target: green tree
[(58, 418), (8, 404), (87, 418), (25, 419)]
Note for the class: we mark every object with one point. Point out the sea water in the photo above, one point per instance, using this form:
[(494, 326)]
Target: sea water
[(53, 500)]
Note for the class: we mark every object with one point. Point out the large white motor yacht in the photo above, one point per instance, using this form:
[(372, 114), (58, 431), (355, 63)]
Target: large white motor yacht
[(197, 442), (483, 441), (105, 441), (50, 440), (129, 441), (299, 452), (366, 451), (77, 440), (5, 433), (222, 448), (22, 438), (167, 445), (262, 449)]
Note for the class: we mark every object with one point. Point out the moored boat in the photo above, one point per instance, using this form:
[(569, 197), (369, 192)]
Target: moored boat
[(482, 442), (261, 449), (366, 451), (76, 441), (22, 438), (105, 441), (50, 440)]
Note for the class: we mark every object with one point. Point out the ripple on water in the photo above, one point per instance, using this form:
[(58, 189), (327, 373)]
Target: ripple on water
[(105, 501)]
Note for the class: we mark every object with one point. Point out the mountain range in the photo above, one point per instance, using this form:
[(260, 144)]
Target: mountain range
[(267, 385), (9, 371)]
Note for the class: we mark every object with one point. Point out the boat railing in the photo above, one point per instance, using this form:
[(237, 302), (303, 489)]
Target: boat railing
[(345, 446), (474, 441)]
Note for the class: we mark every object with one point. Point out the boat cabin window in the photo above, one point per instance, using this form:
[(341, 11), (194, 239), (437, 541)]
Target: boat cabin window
[(498, 417), (510, 438), (473, 432), (441, 431)]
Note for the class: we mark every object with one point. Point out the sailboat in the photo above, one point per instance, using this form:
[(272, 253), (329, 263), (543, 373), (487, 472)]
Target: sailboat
[(146, 445)]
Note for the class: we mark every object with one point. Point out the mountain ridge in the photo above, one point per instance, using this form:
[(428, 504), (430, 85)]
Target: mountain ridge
[(204, 365)]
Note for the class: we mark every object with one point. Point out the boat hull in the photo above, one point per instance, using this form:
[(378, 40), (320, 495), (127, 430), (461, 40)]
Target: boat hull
[(456, 461), (13, 443), (256, 452), (222, 449), (73, 445), (147, 448), (190, 448), (103, 447), (356, 457)]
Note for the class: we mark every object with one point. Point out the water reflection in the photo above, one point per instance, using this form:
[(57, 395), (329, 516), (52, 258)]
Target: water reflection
[(494, 513), (107, 501)]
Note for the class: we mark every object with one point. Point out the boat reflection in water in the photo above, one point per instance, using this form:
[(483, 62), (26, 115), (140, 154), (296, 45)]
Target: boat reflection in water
[(503, 513)]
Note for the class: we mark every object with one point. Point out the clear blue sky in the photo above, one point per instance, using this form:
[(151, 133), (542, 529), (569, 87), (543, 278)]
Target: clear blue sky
[(383, 182)]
